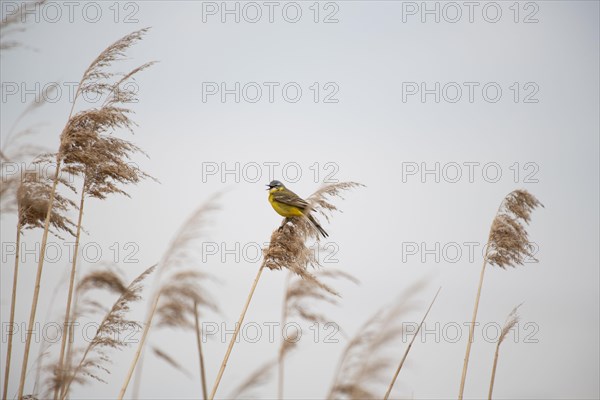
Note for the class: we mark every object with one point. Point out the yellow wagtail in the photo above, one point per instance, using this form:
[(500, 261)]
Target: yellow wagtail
[(288, 204)]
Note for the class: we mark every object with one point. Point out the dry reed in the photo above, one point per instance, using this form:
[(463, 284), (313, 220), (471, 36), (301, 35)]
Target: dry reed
[(257, 378), (160, 354), (387, 394), (363, 365), (15, 153), (511, 320), (288, 249), (180, 299), (14, 22), (508, 245), (103, 279), (102, 161), (180, 253), (95, 80), (32, 203), (108, 334), (299, 304)]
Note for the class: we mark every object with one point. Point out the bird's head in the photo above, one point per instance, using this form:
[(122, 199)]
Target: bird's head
[(275, 186)]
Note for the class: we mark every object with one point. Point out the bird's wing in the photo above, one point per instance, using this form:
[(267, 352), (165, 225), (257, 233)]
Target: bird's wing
[(291, 199)]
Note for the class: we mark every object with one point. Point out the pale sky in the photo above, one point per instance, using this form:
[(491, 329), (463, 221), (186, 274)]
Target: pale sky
[(439, 119)]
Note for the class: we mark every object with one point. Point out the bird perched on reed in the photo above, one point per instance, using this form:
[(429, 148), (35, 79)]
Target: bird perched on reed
[(289, 205)]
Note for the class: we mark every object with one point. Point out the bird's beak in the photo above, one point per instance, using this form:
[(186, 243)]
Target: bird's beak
[(269, 187)]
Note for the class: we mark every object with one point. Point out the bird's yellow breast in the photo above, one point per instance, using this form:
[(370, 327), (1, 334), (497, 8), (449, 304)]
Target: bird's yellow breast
[(285, 210)]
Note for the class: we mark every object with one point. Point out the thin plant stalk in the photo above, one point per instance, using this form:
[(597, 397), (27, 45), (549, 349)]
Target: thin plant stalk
[(235, 333), (13, 302), (472, 331), (138, 352), (494, 370), (387, 394), (38, 280), (280, 360), (137, 382), (70, 294), (281, 372), (511, 322), (200, 354), (69, 351), (42, 255), (474, 318)]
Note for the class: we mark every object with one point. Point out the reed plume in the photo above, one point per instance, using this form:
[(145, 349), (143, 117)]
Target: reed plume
[(257, 378), (97, 80), (160, 354), (299, 304), (102, 279), (288, 249), (9, 24), (181, 297), (101, 160), (108, 335), (181, 252), (15, 153), (32, 203), (363, 366), (508, 245), (511, 320)]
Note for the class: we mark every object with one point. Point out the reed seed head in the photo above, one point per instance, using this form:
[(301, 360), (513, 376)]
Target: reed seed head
[(33, 196), (288, 246), (511, 320), (508, 243)]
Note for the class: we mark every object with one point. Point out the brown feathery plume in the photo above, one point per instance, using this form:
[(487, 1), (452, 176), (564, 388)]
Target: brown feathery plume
[(32, 198), (387, 394), (180, 252), (511, 320), (96, 79), (14, 23), (105, 278), (9, 184), (363, 362), (180, 298), (114, 321), (101, 160), (14, 154), (178, 295), (170, 360), (508, 245), (288, 249), (259, 377), (12, 139), (298, 304), (32, 203)]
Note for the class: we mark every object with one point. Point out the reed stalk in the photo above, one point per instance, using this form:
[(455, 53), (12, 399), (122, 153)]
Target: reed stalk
[(236, 332), (387, 394), (200, 354), (13, 302)]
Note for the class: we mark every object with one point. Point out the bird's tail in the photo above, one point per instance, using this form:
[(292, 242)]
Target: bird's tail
[(317, 226)]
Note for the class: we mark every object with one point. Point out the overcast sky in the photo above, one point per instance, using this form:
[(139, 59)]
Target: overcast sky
[(440, 109)]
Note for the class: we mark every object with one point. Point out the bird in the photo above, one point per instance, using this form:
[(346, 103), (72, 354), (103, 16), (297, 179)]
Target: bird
[(289, 205)]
